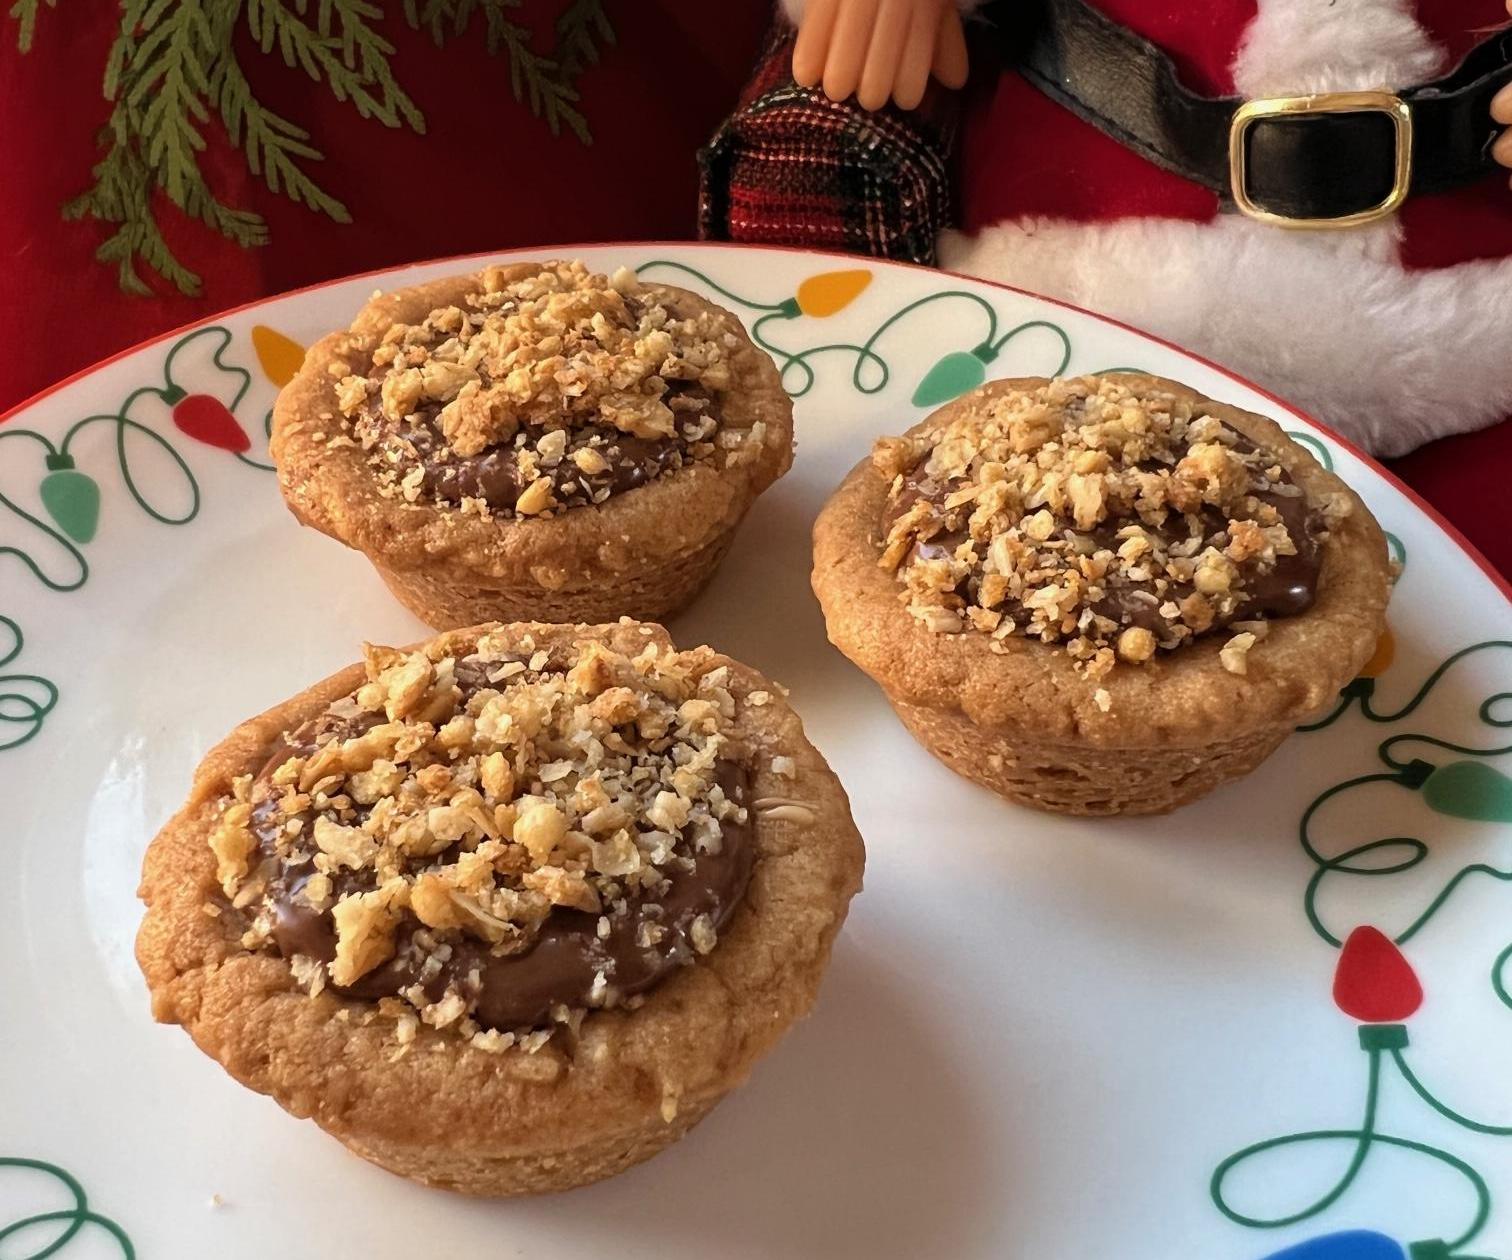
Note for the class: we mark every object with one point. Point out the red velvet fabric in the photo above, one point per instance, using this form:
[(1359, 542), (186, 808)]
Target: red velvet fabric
[(486, 175), (1467, 478), (1023, 155), (1200, 38)]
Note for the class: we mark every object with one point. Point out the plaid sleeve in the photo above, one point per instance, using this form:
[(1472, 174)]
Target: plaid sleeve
[(792, 167)]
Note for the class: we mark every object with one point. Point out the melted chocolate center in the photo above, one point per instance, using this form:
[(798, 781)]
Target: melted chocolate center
[(1286, 589), (497, 475), (561, 966)]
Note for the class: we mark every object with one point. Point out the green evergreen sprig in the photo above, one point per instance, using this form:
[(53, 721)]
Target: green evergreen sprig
[(543, 83), (342, 50), (25, 13), (173, 77), (581, 28)]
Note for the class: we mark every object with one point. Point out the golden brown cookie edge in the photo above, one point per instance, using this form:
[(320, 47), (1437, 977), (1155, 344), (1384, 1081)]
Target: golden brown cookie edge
[(513, 1114)]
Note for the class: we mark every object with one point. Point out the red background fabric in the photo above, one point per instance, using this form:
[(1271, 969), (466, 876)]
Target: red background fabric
[(487, 175)]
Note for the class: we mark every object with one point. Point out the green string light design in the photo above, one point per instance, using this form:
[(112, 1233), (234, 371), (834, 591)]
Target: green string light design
[(1376, 1040), (1462, 787), (25, 699), (50, 1232), (1409, 851), (71, 497), (1319, 450), (953, 375)]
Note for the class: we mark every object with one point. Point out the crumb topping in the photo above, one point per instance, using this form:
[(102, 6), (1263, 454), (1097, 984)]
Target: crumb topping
[(498, 841), (550, 391), (1117, 522)]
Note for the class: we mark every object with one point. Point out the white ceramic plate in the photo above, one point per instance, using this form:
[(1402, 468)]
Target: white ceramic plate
[(1039, 1038)]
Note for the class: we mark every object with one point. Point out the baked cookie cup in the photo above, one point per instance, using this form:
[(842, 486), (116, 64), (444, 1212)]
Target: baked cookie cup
[(508, 912), (1100, 596), (534, 442)]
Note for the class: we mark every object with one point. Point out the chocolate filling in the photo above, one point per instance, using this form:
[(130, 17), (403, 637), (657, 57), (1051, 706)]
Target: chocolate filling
[(497, 475), (1285, 590), (561, 965), (497, 478)]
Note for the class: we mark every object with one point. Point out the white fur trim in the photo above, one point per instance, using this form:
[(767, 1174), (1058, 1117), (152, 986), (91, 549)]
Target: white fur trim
[(1329, 320), (1298, 46), (793, 9)]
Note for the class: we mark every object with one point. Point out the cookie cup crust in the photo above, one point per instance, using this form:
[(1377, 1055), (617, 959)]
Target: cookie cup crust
[(643, 552), (1023, 721), (452, 1115)]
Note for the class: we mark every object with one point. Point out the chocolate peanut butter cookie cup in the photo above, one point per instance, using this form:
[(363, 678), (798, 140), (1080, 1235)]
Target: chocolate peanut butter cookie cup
[(1100, 596), (508, 912), (534, 441)]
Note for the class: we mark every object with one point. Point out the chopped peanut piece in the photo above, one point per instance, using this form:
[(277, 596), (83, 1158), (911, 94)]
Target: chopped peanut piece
[(546, 370), (1113, 517), (448, 810)]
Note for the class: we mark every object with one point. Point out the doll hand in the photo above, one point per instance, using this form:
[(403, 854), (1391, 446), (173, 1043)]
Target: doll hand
[(1501, 112), (880, 48)]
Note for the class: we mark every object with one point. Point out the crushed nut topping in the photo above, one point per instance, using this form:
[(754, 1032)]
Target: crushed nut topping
[(1115, 521), (543, 393), (500, 840)]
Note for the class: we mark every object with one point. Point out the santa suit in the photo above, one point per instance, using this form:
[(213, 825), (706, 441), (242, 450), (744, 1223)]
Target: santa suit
[(1394, 333)]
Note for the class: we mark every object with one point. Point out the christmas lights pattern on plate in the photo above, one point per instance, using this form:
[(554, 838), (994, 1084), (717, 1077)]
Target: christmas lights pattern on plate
[(1374, 983), (174, 435)]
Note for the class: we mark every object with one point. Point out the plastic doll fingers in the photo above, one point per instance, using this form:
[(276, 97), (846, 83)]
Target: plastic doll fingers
[(918, 54), (847, 50), (885, 53), (1501, 103), (1502, 149), (812, 47), (950, 50)]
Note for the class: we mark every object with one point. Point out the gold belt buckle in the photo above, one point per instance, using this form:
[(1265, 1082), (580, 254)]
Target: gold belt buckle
[(1388, 103)]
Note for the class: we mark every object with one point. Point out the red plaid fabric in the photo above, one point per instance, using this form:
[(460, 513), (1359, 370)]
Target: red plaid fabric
[(792, 167)]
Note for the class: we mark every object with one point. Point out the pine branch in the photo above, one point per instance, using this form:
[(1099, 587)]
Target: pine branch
[(172, 69), (548, 92), (121, 195), (124, 47), (540, 82), (166, 81), (343, 50), (580, 29), (157, 75), (245, 228), (171, 59), (434, 17), (274, 146), (25, 12), (372, 55), (446, 19)]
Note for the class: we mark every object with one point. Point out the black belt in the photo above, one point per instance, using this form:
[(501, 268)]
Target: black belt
[(1329, 160)]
